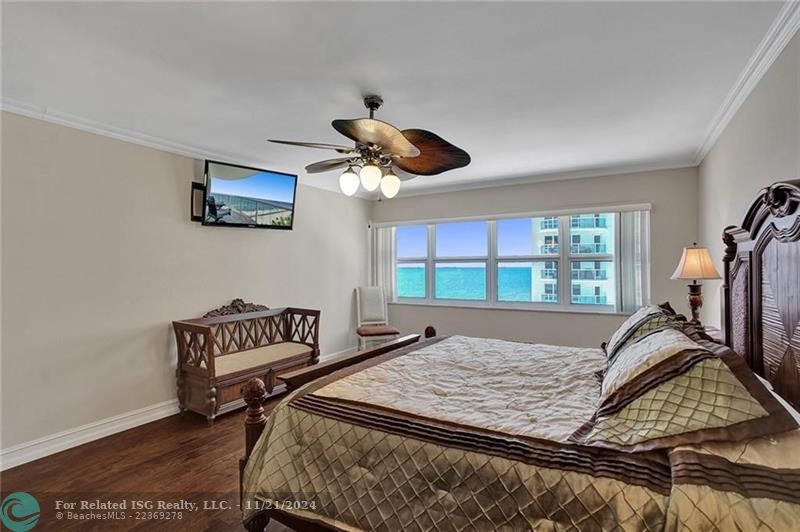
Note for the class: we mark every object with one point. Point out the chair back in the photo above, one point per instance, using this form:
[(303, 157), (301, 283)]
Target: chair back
[(212, 207), (371, 306)]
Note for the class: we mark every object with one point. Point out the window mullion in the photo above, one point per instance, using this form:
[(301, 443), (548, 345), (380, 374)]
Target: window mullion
[(564, 284), (430, 283), (617, 261), (491, 263)]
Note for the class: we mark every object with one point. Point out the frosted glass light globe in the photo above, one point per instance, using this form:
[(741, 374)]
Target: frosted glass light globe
[(348, 182), (390, 185), (370, 176)]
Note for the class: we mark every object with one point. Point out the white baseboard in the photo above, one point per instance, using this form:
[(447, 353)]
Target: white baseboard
[(55, 443), (41, 447), (323, 358)]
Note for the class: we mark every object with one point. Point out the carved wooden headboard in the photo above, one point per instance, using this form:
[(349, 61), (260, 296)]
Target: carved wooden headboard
[(761, 292)]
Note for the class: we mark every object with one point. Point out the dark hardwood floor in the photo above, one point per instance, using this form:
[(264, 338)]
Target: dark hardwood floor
[(173, 459)]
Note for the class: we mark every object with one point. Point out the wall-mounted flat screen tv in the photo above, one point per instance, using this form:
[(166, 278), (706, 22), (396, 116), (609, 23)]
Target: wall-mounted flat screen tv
[(241, 196)]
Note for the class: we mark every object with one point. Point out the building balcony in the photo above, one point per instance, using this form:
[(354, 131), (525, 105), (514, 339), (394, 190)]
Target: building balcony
[(549, 224), (588, 223), (588, 249), (589, 300), (549, 249), (590, 275), (549, 273), (549, 298)]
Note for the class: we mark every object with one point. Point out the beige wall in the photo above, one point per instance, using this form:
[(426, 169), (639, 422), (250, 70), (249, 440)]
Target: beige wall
[(761, 145), (673, 194), (99, 256)]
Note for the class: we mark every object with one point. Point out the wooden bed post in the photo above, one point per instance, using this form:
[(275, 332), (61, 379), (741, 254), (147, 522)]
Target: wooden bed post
[(254, 392), (727, 259)]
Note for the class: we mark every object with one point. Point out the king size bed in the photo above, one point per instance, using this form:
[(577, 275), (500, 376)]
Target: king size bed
[(661, 429)]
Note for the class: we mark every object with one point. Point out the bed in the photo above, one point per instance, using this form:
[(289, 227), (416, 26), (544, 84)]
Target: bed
[(662, 429)]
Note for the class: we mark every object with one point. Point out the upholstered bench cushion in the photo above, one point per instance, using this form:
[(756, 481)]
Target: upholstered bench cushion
[(235, 362), (376, 330)]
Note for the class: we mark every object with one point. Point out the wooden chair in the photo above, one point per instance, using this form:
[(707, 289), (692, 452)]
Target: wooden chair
[(215, 210), (373, 317)]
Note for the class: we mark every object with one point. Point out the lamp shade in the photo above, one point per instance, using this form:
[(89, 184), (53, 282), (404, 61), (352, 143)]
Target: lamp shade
[(696, 263)]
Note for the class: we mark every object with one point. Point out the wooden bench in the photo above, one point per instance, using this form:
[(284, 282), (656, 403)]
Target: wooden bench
[(217, 354)]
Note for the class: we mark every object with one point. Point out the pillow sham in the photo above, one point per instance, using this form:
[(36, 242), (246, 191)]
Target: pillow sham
[(636, 357), (650, 325), (657, 316), (669, 389)]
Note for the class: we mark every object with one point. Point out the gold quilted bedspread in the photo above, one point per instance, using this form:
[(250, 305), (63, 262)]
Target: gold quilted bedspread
[(353, 465)]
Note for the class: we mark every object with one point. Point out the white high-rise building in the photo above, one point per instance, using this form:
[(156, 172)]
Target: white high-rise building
[(591, 254)]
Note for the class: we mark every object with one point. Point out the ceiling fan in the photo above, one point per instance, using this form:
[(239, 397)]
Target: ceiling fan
[(383, 154)]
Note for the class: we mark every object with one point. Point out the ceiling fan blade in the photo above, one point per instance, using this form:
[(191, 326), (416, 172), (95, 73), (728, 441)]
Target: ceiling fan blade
[(327, 165), (335, 147), (370, 131), (436, 154)]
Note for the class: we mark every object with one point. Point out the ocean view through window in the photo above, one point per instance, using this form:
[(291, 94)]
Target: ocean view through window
[(521, 262)]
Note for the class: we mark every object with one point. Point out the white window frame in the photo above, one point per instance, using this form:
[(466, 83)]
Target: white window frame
[(492, 261)]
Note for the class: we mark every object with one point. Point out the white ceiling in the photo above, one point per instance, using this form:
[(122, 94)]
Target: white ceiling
[(530, 90)]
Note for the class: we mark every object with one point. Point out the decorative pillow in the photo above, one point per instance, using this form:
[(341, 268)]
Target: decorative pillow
[(633, 323), (668, 389), (649, 325), (636, 357)]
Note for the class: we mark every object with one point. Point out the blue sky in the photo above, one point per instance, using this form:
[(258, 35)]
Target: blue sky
[(412, 241), (515, 237), (263, 185), (465, 239), (462, 239)]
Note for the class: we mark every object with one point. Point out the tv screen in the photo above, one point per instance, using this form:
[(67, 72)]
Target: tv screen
[(240, 196)]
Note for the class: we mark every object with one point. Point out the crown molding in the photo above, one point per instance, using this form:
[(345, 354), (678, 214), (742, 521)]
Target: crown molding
[(196, 152), (143, 139), (600, 171), (780, 32), (125, 135)]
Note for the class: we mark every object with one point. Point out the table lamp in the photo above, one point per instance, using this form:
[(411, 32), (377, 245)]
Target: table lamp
[(695, 264)]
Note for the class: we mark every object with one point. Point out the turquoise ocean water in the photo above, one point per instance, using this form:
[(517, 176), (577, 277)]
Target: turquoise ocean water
[(452, 282)]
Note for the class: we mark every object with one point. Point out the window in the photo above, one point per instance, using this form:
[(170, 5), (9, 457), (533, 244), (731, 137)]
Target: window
[(460, 260), (412, 253), (518, 262)]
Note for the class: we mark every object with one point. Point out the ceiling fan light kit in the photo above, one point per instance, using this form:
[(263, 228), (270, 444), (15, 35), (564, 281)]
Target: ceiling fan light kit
[(382, 151)]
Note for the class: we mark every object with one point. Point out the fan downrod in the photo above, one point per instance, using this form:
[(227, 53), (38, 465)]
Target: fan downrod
[(373, 103)]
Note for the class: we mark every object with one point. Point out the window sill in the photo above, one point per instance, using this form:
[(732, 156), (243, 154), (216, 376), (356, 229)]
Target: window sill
[(478, 306)]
